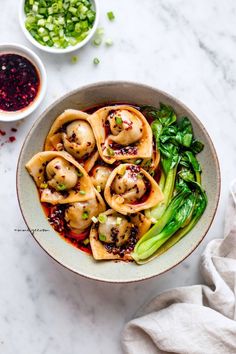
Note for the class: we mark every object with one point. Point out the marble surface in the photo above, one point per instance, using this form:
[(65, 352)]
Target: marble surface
[(184, 47)]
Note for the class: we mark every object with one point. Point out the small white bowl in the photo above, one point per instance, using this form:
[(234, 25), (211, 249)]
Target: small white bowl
[(13, 48), (69, 49)]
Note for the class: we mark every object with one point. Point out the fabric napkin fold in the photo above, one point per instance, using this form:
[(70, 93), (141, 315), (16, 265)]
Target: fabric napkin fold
[(199, 319)]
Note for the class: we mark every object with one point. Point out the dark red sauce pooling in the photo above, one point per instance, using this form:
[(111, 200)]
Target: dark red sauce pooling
[(55, 215), (19, 82)]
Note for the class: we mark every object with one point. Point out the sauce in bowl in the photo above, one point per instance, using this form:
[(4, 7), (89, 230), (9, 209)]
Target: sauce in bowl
[(19, 82)]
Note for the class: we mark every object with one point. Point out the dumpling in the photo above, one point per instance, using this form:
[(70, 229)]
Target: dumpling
[(61, 175), (99, 176), (116, 236), (72, 132), (130, 189), (60, 178), (79, 215), (121, 132)]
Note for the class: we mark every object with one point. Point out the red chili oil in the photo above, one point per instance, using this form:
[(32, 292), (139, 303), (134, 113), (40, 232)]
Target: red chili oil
[(55, 216), (19, 82)]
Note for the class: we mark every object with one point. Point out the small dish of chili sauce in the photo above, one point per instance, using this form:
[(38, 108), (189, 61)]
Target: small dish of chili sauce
[(19, 82), (22, 82)]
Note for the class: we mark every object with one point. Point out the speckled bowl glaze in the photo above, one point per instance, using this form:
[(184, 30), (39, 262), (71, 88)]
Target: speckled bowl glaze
[(105, 93)]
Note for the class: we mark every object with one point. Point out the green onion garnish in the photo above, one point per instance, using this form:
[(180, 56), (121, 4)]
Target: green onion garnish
[(118, 221), (96, 61), (102, 218), (82, 192), (97, 41), (110, 15), (85, 215), (61, 187), (118, 120), (98, 189), (109, 42), (110, 151), (86, 241), (138, 162), (102, 237), (74, 60), (94, 219), (59, 23), (79, 173)]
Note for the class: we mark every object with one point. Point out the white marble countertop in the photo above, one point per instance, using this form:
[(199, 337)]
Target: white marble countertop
[(184, 47)]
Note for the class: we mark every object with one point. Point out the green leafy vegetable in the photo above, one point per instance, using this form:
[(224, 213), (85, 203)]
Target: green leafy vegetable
[(180, 181)]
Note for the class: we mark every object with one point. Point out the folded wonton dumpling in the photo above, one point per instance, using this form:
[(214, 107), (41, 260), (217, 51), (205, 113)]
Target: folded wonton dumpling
[(130, 189), (116, 236), (79, 215), (121, 132), (60, 178), (72, 132)]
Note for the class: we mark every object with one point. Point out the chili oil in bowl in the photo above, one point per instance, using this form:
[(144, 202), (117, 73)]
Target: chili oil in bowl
[(22, 82)]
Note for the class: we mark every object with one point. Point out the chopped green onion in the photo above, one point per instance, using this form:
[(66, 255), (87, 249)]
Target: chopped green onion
[(110, 16), (86, 241), (118, 120), (97, 41), (102, 237), (65, 22), (94, 219), (102, 218), (82, 192), (118, 221), (138, 162), (79, 173), (98, 189), (148, 163), (109, 42), (61, 187), (85, 215), (74, 60), (96, 61), (122, 170), (100, 31), (110, 151)]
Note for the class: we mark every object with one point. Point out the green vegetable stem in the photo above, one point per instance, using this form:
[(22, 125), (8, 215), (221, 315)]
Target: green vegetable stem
[(147, 247)]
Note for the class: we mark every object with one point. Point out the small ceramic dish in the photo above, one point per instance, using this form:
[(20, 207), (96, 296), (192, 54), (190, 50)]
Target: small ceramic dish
[(12, 48), (54, 50), (103, 94)]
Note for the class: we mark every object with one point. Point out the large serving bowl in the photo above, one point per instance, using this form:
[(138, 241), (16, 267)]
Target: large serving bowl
[(72, 258)]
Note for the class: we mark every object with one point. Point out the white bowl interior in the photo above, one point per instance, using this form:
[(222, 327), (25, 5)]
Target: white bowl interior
[(66, 254), (13, 48), (53, 50)]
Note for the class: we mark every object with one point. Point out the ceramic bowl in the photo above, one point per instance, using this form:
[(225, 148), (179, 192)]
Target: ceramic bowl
[(99, 94), (54, 50), (14, 48)]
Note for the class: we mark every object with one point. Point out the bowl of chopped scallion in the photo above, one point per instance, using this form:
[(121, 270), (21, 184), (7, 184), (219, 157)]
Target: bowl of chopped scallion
[(59, 26)]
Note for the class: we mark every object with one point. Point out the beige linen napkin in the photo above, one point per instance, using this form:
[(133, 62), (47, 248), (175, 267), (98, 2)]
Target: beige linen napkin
[(198, 319)]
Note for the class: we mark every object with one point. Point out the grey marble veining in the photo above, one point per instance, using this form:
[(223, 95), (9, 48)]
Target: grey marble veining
[(185, 47)]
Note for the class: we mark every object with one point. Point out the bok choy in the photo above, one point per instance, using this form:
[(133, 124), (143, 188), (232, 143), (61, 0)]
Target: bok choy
[(184, 198)]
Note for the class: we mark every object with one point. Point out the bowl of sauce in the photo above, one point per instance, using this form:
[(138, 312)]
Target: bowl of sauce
[(22, 82)]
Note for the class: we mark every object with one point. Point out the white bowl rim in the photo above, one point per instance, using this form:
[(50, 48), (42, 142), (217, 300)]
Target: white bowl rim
[(20, 49), (53, 50), (111, 83)]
